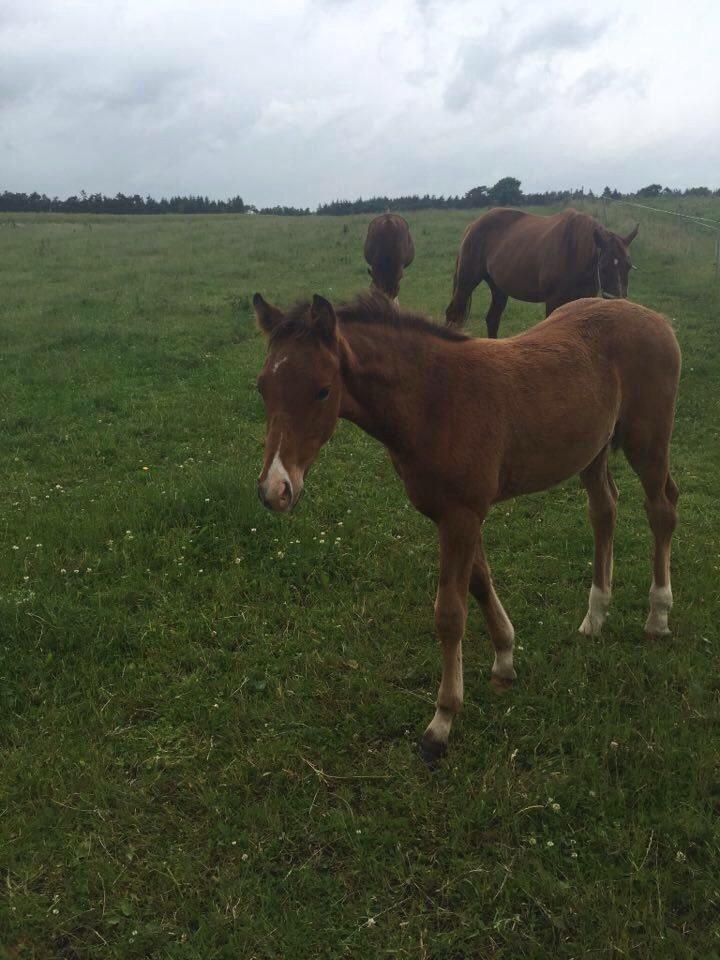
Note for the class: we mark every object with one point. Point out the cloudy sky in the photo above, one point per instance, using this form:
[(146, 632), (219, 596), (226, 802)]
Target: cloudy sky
[(301, 102)]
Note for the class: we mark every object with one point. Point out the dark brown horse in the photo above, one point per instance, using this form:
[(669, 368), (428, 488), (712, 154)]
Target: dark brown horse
[(537, 259), (468, 423), (388, 250)]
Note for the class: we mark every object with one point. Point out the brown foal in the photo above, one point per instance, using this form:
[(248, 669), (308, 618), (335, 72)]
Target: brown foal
[(469, 422)]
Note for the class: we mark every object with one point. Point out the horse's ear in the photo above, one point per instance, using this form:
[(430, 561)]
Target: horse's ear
[(631, 236), (267, 316), (600, 238), (323, 318)]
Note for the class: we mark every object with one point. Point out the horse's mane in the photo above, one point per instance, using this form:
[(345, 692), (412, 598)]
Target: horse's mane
[(370, 309)]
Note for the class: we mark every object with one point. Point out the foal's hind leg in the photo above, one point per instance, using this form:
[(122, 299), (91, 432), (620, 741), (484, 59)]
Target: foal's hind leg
[(602, 496), (499, 300), (650, 461), (458, 536), (502, 633)]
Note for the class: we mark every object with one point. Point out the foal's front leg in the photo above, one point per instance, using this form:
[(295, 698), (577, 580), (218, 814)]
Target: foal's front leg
[(458, 538)]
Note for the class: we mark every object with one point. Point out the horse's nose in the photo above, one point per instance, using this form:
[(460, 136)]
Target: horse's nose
[(286, 495), (277, 495)]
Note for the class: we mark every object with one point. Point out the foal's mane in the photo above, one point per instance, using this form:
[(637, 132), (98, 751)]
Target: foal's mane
[(368, 309)]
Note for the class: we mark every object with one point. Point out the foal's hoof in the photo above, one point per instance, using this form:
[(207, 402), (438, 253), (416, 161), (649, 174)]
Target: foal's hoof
[(590, 627), (651, 637), (432, 750)]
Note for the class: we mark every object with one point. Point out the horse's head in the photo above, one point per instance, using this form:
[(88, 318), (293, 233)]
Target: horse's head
[(300, 387), (385, 279), (614, 264)]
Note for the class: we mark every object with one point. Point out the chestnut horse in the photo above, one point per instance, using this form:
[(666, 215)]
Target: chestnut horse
[(537, 259), (388, 250), (469, 422)]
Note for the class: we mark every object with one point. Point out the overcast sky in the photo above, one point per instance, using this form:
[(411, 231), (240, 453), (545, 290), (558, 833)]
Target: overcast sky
[(302, 102)]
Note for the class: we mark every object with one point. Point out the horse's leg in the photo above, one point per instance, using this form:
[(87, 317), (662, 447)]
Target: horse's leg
[(499, 299), (458, 537), (502, 634), (648, 457), (554, 303), (602, 496)]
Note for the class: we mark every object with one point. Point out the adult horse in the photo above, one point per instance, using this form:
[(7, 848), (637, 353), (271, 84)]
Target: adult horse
[(537, 259), (388, 250), (470, 422)]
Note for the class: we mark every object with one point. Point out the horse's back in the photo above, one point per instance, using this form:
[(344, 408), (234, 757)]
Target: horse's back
[(525, 255), (388, 237)]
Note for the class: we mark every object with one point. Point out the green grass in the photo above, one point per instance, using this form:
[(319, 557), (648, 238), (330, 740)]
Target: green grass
[(209, 713)]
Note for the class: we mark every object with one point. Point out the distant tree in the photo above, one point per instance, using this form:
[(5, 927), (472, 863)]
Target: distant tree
[(698, 192), (652, 190), (477, 197), (505, 192)]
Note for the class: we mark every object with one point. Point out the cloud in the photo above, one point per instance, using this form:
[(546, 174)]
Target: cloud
[(297, 101), (565, 32)]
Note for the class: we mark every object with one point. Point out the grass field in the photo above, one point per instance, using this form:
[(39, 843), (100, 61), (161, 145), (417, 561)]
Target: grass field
[(210, 713)]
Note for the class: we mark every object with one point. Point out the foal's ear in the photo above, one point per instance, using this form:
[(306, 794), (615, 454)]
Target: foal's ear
[(323, 318), (267, 316), (631, 236)]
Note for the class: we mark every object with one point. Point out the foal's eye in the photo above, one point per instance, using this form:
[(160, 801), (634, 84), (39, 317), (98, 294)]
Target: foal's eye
[(324, 393)]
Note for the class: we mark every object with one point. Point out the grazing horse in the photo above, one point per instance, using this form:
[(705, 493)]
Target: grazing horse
[(537, 259), (388, 249), (470, 422)]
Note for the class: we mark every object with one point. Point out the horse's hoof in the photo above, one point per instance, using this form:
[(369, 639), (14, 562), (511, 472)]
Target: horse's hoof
[(501, 684), (654, 637), (431, 750)]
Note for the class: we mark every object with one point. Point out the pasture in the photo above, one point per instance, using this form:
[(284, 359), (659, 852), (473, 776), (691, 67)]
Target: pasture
[(210, 712)]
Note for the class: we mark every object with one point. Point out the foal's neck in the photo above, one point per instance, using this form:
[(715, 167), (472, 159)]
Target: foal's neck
[(385, 374)]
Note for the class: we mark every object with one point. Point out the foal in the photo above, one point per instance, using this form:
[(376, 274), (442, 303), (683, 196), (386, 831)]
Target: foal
[(471, 422)]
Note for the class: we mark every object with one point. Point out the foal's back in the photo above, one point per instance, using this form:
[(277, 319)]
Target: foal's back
[(555, 395)]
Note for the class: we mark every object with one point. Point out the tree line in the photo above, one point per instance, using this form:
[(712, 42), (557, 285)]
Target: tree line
[(506, 192)]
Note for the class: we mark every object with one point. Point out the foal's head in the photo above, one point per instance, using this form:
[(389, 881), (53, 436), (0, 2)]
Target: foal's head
[(300, 386), (614, 263)]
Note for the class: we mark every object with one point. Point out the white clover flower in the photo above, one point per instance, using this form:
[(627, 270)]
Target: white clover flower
[(550, 843), (556, 807)]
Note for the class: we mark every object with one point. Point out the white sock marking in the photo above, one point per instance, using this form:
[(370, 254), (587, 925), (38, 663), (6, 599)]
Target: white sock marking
[(598, 605), (661, 600), (503, 666)]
